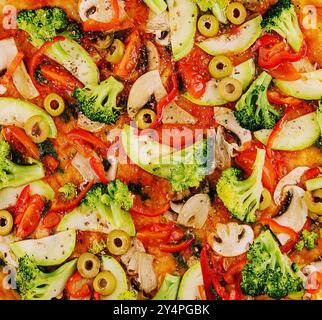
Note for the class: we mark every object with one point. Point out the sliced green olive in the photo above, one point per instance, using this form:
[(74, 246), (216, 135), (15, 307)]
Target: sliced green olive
[(208, 25), (144, 118), (88, 265), (54, 104), (6, 222), (230, 89), (220, 67), (315, 207), (37, 129), (236, 13), (104, 42), (266, 200), (116, 52), (104, 283), (118, 242)]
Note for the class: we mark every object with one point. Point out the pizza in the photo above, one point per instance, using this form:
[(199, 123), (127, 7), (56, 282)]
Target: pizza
[(165, 150)]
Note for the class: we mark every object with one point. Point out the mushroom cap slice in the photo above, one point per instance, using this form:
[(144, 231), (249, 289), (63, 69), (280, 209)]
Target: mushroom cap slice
[(231, 239), (296, 214), (195, 211), (143, 88), (173, 114), (292, 178)]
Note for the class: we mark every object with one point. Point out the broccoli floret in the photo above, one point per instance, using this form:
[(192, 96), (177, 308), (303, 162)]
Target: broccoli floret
[(253, 110), (268, 271), (34, 284), (73, 32), (98, 102), (242, 197), (68, 191), (218, 8), (128, 295), (12, 174), (97, 247), (308, 240), (185, 168), (42, 24), (282, 19), (111, 201)]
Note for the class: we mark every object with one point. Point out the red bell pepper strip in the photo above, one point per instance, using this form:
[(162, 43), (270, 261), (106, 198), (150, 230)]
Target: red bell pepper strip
[(51, 220), (20, 135), (31, 216), (60, 78), (12, 68), (265, 41), (83, 147), (73, 284), (22, 201), (81, 134), (98, 168), (97, 296), (277, 98), (34, 62), (285, 71), (272, 55), (277, 228), (210, 278), (234, 269), (310, 174), (177, 247), (67, 206), (165, 101), (157, 232), (51, 163), (139, 208), (313, 283)]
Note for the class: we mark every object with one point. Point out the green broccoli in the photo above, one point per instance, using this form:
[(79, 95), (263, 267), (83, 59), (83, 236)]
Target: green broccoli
[(12, 174), (34, 284), (242, 197), (268, 271), (128, 295), (253, 110), (98, 102), (218, 8), (282, 19), (42, 24), (112, 201), (185, 168), (307, 240), (68, 191)]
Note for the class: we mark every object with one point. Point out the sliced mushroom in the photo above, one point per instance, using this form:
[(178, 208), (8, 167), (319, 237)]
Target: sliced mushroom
[(296, 214), (159, 26), (111, 173), (292, 178), (231, 239), (195, 211), (89, 125), (173, 114), (224, 151), (143, 88), (100, 10), (153, 56), (176, 207), (136, 246), (225, 117)]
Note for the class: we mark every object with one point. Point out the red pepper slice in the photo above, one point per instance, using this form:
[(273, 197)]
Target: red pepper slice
[(310, 174), (277, 228), (34, 62), (265, 41), (210, 278), (98, 168), (83, 147), (18, 134), (234, 269), (31, 216), (285, 71), (165, 101), (157, 232), (67, 206), (51, 220), (177, 247), (74, 289), (277, 98), (88, 137), (140, 208), (22, 201), (12, 68)]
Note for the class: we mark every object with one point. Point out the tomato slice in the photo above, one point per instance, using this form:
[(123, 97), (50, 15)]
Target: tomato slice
[(22, 201), (246, 161), (31, 216), (194, 72), (78, 287), (285, 71), (51, 220)]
